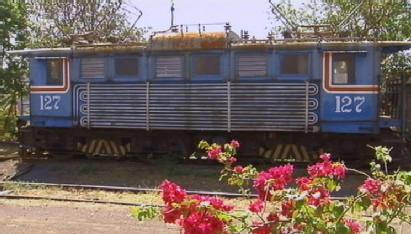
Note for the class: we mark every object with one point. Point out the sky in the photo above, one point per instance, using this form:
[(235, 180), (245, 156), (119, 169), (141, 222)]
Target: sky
[(250, 15)]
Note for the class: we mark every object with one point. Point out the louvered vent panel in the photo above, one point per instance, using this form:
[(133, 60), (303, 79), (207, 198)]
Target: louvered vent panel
[(201, 106), (92, 68), (249, 66), (169, 66)]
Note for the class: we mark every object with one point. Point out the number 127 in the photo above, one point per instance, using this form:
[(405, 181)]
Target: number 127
[(347, 104)]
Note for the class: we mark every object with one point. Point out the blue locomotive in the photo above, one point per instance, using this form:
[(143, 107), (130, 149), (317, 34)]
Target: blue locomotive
[(284, 99)]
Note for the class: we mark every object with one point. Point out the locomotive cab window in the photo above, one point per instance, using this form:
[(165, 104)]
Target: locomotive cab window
[(343, 71), (296, 64), (169, 66), (251, 66), (207, 65), (126, 67), (55, 72), (92, 68)]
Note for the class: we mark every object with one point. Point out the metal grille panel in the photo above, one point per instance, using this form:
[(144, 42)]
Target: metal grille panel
[(217, 106), (249, 66), (170, 66), (92, 68)]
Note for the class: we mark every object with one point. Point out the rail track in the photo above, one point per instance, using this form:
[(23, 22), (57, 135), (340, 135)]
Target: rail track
[(5, 194), (120, 189)]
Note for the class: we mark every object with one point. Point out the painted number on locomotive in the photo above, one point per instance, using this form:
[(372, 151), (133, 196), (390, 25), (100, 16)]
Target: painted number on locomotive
[(49, 102), (347, 104)]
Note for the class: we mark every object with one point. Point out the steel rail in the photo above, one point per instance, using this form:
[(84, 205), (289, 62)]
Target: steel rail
[(120, 189), (131, 189), (18, 197)]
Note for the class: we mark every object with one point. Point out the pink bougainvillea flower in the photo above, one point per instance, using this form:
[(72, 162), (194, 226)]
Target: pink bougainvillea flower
[(235, 144), (171, 214), (214, 153), (327, 168), (215, 202), (276, 178), (354, 226), (202, 223), (172, 193), (273, 217), (287, 208), (325, 157), (304, 183), (261, 228), (371, 187), (319, 197), (238, 169), (257, 206), (339, 170), (232, 160)]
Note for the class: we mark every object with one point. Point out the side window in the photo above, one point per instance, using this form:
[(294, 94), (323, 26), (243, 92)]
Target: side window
[(294, 64), (127, 67), (205, 65), (92, 68), (343, 69), (169, 66), (251, 66), (55, 72)]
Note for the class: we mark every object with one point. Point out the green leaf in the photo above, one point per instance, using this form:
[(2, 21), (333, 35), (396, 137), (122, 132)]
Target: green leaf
[(145, 213), (226, 218), (203, 144), (341, 229), (338, 210)]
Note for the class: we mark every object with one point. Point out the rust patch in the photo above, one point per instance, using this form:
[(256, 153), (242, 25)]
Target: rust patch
[(179, 41)]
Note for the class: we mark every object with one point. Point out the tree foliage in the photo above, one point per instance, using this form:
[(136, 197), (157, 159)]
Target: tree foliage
[(59, 23), (13, 35), (359, 19), (379, 20)]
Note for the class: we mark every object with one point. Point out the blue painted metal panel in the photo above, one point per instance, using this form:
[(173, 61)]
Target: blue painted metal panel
[(51, 110), (38, 71), (127, 79), (337, 112), (224, 67), (279, 56), (353, 112)]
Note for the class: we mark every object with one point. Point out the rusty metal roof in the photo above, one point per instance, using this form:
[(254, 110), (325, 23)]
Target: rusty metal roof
[(207, 41), (192, 41)]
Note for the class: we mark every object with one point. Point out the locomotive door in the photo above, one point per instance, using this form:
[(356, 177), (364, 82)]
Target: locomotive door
[(50, 100), (349, 92)]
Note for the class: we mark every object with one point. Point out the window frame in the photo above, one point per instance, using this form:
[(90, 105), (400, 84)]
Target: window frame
[(352, 78), (137, 76), (219, 76), (61, 75), (284, 54)]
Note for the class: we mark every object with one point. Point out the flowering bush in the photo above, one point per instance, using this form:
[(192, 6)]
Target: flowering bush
[(279, 208)]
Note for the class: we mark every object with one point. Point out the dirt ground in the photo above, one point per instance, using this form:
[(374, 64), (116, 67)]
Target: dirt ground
[(39, 217), (134, 173), (29, 216)]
